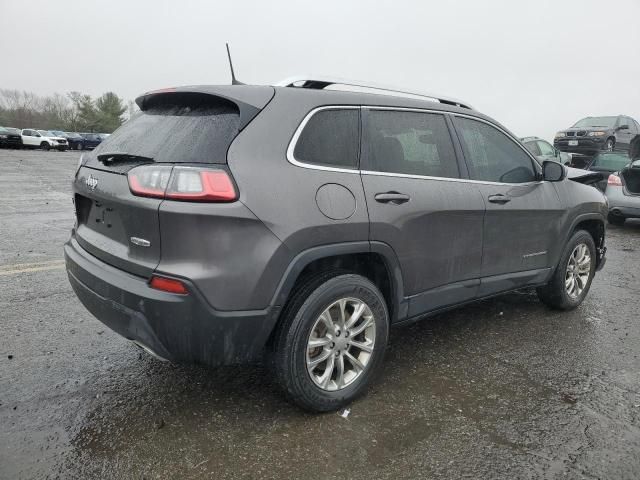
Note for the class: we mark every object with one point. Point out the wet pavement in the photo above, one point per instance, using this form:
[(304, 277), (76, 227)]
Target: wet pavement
[(504, 388)]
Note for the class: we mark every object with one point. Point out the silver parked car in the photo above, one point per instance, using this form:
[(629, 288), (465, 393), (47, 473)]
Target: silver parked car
[(623, 188), (543, 150)]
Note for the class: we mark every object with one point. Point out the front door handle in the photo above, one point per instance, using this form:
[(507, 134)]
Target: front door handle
[(392, 197), (499, 198)]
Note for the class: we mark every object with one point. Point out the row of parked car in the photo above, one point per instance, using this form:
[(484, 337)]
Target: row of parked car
[(49, 139), (609, 145)]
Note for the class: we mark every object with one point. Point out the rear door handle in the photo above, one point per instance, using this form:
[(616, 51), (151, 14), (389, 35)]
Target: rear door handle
[(392, 197), (499, 198)]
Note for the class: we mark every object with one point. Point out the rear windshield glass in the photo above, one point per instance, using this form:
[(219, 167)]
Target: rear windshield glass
[(611, 161), (178, 128)]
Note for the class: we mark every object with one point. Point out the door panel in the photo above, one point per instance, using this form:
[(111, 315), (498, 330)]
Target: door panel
[(523, 214), (420, 207), (519, 234)]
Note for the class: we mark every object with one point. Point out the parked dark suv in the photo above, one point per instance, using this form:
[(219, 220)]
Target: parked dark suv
[(222, 224), (593, 134)]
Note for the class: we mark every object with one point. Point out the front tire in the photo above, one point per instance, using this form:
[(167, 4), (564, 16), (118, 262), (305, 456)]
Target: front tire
[(331, 341), (573, 276), (45, 146)]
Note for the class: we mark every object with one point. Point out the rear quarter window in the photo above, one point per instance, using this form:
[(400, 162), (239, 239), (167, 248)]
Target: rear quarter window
[(330, 138), (179, 128)]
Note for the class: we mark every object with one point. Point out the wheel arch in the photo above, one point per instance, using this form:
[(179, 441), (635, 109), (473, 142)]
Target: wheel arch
[(374, 260), (594, 224)]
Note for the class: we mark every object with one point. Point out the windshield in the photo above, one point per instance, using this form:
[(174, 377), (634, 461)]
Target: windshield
[(4, 130), (46, 133), (597, 122), (610, 161)]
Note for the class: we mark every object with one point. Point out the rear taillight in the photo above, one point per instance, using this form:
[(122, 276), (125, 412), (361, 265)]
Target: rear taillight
[(191, 184), (168, 285), (614, 180)]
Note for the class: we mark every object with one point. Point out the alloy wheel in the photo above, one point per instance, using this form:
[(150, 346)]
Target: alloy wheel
[(578, 270), (341, 344)]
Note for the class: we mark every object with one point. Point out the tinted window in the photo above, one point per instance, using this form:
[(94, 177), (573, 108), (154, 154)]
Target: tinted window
[(331, 138), (412, 143), (533, 147), (178, 128), (546, 149), (492, 156)]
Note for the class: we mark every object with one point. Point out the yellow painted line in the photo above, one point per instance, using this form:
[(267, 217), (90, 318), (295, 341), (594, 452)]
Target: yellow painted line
[(31, 267)]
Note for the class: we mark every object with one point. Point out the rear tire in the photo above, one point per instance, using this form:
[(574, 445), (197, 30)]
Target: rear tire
[(615, 220), (610, 145), (573, 276), (317, 361), (45, 146)]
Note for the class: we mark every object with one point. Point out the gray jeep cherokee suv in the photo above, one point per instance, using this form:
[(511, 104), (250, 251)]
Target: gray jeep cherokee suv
[(224, 224)]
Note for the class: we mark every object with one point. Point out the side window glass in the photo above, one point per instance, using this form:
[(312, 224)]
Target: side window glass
[(532, 147), (411, 143), (492, 156), (330, 138), (546, 149)]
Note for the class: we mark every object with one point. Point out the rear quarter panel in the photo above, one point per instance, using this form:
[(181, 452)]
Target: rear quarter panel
[(283, 195)]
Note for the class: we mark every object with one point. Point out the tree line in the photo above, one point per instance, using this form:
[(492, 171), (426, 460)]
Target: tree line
[(73, 112)]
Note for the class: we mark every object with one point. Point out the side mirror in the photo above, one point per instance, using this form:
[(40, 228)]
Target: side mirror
[(553, 171), (623, 127)]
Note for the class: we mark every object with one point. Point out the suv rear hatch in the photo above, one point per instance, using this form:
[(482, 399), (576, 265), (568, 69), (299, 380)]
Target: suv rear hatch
[(191, 126), (631, 176)]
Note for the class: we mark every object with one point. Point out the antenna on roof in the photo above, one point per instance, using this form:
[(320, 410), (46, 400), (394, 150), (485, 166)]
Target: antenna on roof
[(233, 75)]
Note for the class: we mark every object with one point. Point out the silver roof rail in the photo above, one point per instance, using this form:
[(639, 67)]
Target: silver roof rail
[(320, 82)]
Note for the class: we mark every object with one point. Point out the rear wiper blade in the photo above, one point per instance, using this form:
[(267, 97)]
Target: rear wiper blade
[(109, 158)]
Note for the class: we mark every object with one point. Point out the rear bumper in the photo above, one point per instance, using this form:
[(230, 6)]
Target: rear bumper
[(621, 204), (179, 328), (626, 212)]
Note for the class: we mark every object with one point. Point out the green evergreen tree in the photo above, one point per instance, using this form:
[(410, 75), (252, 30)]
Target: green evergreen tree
[(109, 111)]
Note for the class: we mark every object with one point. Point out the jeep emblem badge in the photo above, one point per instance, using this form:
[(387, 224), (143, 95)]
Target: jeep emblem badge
[(92, 182)]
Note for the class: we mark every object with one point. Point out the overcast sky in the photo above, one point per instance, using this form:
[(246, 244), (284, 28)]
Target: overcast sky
[(536, 66)]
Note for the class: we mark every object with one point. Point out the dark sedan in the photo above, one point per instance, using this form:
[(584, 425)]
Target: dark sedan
[(594, 134), (10, 138), (91, 140), (75, 140)]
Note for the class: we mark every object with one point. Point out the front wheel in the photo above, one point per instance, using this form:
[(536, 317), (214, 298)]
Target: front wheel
[(45, 146), (331, 341), (573, 276)]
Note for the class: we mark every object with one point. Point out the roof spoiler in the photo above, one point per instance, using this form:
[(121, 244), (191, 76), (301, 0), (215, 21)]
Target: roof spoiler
[(320, 82), (249, 99)]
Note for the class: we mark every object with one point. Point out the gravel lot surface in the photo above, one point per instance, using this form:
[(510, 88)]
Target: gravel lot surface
[(504, 388)]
